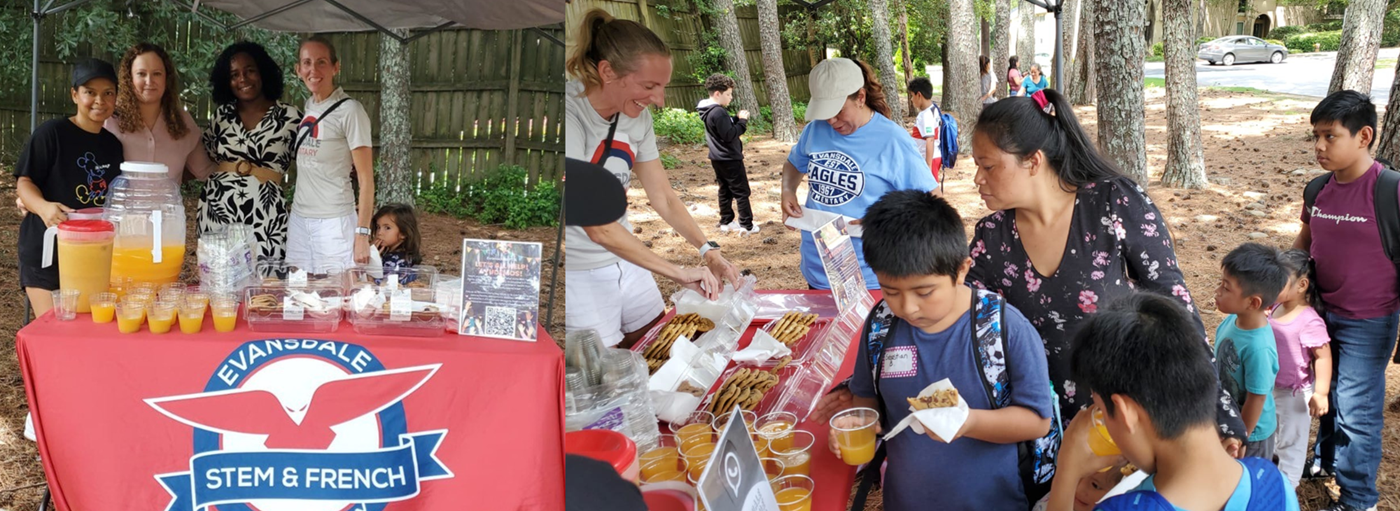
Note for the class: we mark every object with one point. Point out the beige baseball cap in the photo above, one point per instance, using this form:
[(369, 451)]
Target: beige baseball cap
[(831, 81)]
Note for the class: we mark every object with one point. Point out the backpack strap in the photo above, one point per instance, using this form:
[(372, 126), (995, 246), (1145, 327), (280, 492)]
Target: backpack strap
[(1140, 500), (1314, 187), (878, 326), (1268, 490), (1388, 213), (989, 346)]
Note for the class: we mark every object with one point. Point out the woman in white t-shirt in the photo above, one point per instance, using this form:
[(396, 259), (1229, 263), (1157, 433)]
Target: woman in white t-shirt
[(327, 228), (619, 68)]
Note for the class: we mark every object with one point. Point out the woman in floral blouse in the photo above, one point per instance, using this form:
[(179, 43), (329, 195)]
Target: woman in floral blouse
[(1070, 231), (251, 139)]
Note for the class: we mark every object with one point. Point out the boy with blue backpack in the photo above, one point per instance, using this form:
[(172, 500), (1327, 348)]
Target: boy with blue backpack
[(935, 131), (1141, 358), (931, 326)]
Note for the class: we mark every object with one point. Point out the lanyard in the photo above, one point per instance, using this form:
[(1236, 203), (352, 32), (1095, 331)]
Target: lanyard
[(607, 142)]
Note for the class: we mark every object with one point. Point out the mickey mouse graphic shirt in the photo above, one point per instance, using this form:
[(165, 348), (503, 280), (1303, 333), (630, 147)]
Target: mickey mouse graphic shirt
[(71, 167)]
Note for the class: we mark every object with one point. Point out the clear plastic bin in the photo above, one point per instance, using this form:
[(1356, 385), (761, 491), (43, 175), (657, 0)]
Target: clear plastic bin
[(386, 309), (278, 272), (416, 277), (808, 347), (312, 309), (770, 402)]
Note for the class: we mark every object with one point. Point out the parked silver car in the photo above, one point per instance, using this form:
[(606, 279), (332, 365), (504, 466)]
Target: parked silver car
[(1241, 48)]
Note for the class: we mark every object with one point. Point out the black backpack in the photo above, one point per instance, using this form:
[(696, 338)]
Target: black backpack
[(1035, 458), (1387, 211)]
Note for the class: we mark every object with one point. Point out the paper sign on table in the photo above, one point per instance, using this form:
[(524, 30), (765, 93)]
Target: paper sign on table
[(734, 479), (944, 422), (813, 219), (500, 289), (763, 348)]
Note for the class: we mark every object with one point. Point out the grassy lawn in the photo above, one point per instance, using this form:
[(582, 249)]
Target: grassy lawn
[(1154, 83), (1385, 63)]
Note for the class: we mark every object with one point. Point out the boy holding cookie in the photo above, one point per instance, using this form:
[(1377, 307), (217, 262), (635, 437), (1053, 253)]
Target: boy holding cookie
[(917, 248)]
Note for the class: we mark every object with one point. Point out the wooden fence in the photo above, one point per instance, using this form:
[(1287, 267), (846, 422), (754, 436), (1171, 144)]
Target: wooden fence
[(682, 31), (480, 98)]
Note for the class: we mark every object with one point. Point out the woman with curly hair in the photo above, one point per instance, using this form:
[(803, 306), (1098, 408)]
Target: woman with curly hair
[(149, 119), (251, 138)]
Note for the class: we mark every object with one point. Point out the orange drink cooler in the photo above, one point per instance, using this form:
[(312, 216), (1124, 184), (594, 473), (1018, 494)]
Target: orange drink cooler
[(85, 258), (137, 263), (145, 206)]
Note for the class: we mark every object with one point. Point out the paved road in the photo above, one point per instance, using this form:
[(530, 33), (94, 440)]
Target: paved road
[(1305, 74)]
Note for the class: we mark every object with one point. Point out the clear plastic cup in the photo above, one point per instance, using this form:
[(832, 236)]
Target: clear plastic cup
[(774, 467), (104, 307), (65, 304), (855, 434), (1099, 440), (191, 317), (797, 456), (697, 456), (225, 313), (663, 463), (750, 419), (133, 286), (777, 427), (196, 298), (794, 493), (130, 315), (695, 428), (160, 316), (143, 297)]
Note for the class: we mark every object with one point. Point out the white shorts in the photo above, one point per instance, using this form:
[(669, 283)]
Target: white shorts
[(319, 243), (614, 300)]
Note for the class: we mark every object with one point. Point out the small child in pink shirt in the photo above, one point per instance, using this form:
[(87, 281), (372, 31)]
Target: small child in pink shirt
[(1304, 361)]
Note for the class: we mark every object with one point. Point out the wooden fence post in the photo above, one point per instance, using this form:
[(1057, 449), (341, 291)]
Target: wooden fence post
[(646, 16), (512, 110)]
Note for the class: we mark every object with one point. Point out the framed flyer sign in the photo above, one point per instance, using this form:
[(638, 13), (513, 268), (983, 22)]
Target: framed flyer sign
[(500, 289)]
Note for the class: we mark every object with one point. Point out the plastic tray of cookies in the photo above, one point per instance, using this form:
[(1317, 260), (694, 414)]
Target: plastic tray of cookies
[(279, 308), (803, 333), (275, 272), (414, 277), (753, 389), (655, 347)]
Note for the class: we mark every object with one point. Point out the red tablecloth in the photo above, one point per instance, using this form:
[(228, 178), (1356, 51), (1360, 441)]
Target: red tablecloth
[(415, 423)]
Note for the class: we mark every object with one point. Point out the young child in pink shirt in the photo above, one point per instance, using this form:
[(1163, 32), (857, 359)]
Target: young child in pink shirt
[(1305, 363)]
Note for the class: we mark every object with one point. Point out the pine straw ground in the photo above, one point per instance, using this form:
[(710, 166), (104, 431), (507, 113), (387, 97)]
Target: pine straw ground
[(1256, 152), (21, 475)]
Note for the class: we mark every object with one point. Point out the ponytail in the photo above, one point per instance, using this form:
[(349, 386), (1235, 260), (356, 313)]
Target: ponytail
[(1299, 265), (1019, 126), (620, 42), (874, 92)]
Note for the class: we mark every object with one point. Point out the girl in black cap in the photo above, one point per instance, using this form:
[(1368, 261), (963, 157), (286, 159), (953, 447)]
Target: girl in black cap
[(65, 166)]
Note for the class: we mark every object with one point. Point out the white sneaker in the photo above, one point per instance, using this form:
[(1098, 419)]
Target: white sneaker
[(727, 227), (747, 232)]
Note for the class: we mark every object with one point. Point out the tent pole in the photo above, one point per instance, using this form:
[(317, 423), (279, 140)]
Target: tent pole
[(34, 72), (554, 278), (354, 14)]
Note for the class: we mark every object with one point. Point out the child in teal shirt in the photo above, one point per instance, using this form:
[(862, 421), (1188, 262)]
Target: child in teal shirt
[(1245, 352)]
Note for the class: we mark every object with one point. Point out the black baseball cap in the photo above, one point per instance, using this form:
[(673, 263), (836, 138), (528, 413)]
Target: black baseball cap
[(599, 196), (88, 69)]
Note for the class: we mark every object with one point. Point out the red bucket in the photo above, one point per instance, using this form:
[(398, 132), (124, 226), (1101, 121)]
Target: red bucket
[(607, 446)]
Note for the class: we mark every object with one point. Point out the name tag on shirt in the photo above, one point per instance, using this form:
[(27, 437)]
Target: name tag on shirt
[(900, 362)]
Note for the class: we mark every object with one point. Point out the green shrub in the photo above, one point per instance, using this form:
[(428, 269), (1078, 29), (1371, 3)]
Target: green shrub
[(1304, 42), (1326, 26), (1283, 33), (1390, 33), (501, 198), (1157, 50), (669, 162), (679, 126), (1275, 41), (1205, 40), (799, 111)]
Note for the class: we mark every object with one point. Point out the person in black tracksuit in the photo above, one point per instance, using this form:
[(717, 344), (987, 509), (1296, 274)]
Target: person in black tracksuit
[(722, 133)]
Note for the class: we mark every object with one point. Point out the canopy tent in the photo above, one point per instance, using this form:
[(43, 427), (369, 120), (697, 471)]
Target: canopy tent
[(349, 16)]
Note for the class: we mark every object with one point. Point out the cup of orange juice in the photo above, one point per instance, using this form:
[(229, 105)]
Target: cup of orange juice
[(794, 493), (697, 456), (749, 419), (225, 312), (666, 456), (197, 297), (695, 428), (191, 317), (160, 316), (855, 434), (777, 427), (104, 307), (797, 457), (130, 314), (773, 467), (1099, 440)]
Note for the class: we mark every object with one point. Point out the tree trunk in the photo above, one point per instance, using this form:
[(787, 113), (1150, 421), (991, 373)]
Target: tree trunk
[(1025, 43), (1186, 167), (1389, 145), (815, 51), (1001, 44), (395, 182), (1070, 20), (1200, 21), (947, 74), (961, 76), (728, 26), (984, 29), (774, 73), (1361, 38), (884, 42), (1082, 88), (1119, 53), (903, 26)]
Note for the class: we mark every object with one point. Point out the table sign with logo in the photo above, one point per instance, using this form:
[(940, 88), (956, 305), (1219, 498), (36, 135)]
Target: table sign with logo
[(500, 289), (735, 480)]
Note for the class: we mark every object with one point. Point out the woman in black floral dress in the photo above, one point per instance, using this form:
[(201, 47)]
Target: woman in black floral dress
[(1070, 231), (250, 138)]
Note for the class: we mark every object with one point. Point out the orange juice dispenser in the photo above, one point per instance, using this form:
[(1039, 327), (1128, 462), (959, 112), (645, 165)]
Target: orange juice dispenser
[(84, 257), (144, 204)]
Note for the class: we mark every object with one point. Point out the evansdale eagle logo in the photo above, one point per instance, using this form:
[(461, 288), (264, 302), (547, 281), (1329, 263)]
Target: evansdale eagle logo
[(302, 425), (834, 178)]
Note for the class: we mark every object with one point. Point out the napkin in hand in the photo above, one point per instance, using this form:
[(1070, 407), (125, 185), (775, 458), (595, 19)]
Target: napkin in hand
[(943, 422), (813, 219), (763, 348)]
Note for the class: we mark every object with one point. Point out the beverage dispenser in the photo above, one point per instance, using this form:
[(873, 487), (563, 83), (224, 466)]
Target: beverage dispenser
[(144, 204)]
